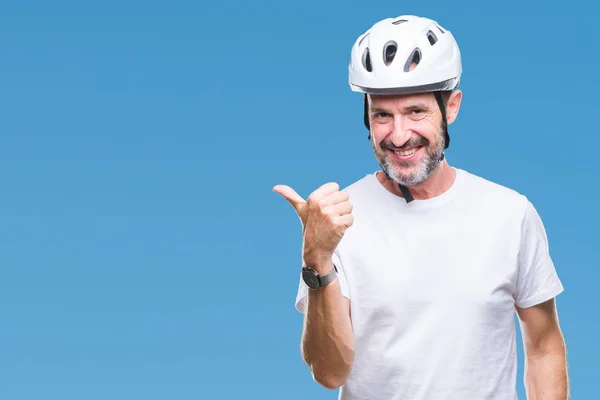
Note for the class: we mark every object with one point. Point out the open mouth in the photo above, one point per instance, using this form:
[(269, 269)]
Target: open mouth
[(407, 154)]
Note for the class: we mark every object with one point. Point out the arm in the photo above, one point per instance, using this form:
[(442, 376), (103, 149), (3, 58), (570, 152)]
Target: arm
[(546, 375), (327, 337)]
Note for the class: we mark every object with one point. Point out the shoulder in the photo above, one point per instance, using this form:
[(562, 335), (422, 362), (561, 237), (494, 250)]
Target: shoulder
[(361, 184), (363, 189), (493, 196), (370, 200), (485, 187)]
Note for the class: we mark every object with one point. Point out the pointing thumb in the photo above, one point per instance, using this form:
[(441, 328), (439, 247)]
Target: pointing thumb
[(291, 196)]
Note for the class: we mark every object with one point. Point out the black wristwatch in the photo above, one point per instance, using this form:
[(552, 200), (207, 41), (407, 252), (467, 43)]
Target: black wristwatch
[(315, 281)]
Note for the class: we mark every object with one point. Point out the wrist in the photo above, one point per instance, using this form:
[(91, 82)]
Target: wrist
[(322, 265), (315, 279)]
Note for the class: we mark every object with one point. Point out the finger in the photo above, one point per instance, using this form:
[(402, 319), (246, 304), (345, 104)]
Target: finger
[(343, 208), (290, 195), (324, 191), (336, 198), (347, 220)]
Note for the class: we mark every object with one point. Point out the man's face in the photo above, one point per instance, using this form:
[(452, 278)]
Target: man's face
[(407, 134)]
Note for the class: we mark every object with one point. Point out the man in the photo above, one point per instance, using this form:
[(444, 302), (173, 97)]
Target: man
[(412, 275)]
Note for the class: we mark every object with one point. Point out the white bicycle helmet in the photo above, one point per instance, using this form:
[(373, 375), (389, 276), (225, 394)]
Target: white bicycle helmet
[(381, 57), (381, 62)]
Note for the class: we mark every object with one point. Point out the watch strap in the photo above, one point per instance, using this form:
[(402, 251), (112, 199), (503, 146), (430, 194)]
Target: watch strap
[(328, 277), (315, 281)]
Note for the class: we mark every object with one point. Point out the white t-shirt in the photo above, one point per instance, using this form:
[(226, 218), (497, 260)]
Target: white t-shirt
[(433, 285)]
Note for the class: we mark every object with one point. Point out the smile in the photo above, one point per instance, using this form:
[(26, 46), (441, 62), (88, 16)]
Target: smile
[(406, 154)]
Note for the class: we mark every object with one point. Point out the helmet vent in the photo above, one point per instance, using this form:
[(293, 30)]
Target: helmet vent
[(432, 38), (441, 30), (415, 57), (400, 21), (366, 59), (389, 52)]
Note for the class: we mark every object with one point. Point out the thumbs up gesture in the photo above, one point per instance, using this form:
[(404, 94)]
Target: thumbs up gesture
[(325, 217)]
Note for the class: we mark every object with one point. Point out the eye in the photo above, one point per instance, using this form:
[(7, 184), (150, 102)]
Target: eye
[(381, 115), (417, 114)]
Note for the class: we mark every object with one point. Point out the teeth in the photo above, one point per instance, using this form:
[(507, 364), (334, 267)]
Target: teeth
[(406, 153)]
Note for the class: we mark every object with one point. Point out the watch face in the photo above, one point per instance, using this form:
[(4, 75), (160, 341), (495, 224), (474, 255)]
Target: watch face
[(310, 278)]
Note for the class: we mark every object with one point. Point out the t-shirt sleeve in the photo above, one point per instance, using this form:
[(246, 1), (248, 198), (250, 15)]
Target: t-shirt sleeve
[(303, 289), (537, 279)]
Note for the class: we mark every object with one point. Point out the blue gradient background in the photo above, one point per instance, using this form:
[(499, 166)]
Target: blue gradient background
[(143, 254)]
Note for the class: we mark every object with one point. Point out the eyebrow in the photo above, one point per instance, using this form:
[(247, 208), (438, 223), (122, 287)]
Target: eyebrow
[(379, 110), (417, 106)]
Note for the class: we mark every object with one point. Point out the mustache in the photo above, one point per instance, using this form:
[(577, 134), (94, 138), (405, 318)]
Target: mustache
[(413, 142)]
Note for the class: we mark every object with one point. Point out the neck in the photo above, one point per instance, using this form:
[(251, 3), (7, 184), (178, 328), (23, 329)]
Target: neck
[(440, 180)]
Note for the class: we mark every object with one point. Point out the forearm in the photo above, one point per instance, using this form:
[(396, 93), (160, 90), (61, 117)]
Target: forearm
[(327, 339), (546, 376)]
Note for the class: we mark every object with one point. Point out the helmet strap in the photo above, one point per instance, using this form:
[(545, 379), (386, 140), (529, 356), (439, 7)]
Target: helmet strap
[(403, 189), (366, 115), (440, 101)]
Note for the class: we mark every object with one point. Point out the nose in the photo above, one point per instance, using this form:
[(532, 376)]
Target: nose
[(400, 132)]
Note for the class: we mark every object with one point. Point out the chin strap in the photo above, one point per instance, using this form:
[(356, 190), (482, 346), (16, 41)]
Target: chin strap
[(403, 189), (406, 193)]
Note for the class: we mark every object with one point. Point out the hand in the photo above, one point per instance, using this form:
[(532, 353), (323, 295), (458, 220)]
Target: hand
[(325, 217)]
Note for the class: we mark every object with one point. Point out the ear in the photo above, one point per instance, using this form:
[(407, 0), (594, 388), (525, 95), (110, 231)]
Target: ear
[(453, 106)]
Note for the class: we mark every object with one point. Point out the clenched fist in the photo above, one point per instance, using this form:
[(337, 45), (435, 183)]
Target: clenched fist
[(325, 216)]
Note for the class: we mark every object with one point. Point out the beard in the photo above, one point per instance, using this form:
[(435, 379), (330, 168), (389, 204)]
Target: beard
[(411, 172)]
